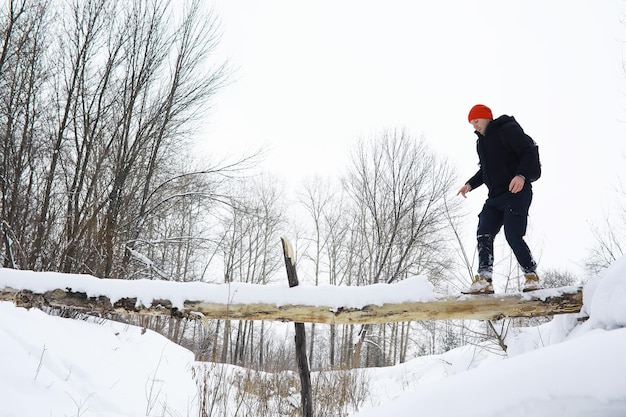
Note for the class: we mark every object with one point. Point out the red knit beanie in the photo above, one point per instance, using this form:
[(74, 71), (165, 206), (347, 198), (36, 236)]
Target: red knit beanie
[(480, 111)]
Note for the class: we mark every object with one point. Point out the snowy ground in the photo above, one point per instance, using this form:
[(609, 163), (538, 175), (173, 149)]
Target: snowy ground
[(51, 366)]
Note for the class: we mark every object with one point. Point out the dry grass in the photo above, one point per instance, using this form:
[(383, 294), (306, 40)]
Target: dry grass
[(230, 391)]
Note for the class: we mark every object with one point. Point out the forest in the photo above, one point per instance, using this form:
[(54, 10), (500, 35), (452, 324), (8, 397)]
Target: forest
[(100, 106)]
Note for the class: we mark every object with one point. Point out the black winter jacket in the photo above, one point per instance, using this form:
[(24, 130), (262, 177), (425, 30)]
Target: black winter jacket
[(504, 152)]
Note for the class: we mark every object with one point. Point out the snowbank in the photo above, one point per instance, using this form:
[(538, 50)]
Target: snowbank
[(56, 367), (568, 366), (50, 366)]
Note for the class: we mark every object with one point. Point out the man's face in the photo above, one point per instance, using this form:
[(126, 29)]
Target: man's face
[(480, 125)]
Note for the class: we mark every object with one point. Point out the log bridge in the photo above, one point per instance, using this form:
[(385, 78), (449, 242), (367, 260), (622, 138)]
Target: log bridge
[(483, 307)]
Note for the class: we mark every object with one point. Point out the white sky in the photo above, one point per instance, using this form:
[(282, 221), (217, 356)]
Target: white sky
[(313, 77)]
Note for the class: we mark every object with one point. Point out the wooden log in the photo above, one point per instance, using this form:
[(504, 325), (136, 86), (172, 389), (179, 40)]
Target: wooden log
[(482, 307)]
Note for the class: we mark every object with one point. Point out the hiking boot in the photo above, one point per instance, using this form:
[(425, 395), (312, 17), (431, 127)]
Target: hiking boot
[(480, 285), (531, 283)]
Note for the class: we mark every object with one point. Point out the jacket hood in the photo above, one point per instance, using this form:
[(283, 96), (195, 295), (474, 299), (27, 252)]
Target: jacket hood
[(499, 123)]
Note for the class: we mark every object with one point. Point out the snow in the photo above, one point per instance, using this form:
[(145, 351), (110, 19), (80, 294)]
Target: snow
[(51, 366), (147, 291), (62, 367), (544, 382), (607, 307)]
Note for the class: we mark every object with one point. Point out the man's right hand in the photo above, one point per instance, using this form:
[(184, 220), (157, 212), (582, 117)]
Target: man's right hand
[(464, 190)]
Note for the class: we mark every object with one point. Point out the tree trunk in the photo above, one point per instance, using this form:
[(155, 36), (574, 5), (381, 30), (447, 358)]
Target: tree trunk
[(486, 307)]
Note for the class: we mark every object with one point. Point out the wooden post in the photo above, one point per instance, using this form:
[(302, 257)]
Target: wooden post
[(303, 363)]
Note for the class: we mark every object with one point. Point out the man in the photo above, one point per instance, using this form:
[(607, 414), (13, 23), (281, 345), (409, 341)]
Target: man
[(509, 161)]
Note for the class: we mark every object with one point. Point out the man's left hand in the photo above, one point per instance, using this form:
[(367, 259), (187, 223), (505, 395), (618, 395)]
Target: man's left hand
[(517, 183)]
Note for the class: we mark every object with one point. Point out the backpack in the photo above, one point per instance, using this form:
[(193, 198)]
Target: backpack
[(537, 162), (535, 172)]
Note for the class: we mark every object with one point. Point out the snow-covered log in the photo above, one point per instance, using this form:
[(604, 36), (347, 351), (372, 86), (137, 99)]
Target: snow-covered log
[(484, 307)]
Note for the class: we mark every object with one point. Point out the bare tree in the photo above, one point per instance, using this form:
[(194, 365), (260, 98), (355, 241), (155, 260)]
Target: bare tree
[(554, 278), (609, 242), (97, 105), (317, 196), (398, 186), (251, 253), (611, 235), (22, 75)]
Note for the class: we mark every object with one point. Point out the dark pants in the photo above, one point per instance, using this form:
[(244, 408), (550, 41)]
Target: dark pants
[(511, 211)]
